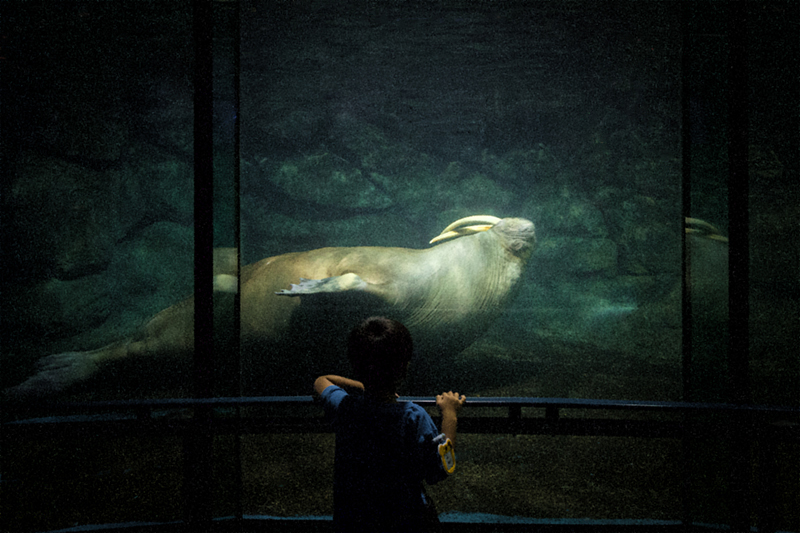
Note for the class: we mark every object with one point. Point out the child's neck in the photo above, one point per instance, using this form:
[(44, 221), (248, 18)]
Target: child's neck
[(381, 396)]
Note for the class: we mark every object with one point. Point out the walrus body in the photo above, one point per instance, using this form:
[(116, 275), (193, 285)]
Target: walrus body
[(296, 308), (707, 284), (707, 271)]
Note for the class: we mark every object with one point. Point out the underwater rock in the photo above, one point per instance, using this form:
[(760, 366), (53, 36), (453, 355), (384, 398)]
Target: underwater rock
[(569, 214), (67, 216), (145, 273), (655, 328), (163, 186), (523, 169), (267, 231), (578, 255), (477, 188), (329, 180), (58, 308), (648, 233), (300, 128), (581, 297), (159, 258), (84, 133)]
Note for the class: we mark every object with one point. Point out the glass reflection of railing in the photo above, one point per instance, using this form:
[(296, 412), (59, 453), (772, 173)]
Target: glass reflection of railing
[(770, 426)]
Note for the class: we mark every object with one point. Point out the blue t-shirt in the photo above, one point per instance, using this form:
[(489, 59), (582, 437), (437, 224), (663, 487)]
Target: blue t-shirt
[(383, 453)]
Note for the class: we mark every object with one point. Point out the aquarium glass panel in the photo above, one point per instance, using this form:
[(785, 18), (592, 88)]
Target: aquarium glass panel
[(366, 127), (98, 205), (747, 216), (774, 245), (378, 128), (743, 257), (97, 239)]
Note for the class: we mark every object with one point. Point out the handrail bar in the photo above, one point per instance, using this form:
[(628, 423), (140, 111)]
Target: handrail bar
[(511, 402)]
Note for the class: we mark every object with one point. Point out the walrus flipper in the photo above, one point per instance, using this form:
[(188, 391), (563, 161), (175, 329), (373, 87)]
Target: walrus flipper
[(346, 282), (56, 373)]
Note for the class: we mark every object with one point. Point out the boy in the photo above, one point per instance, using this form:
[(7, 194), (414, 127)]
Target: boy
[(384, 449)]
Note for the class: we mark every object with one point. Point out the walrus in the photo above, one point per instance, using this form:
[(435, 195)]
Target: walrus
[(707, 271), (707, 284), (296, 308)]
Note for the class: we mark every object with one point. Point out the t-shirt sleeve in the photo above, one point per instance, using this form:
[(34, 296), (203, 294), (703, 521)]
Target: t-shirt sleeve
[(331, 398)]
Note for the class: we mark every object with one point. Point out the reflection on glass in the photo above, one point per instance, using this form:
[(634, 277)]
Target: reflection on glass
[(97, 238), (98, 209)]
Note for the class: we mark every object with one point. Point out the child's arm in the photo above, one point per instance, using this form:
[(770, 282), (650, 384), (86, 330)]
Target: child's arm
[(450, 404), (323, 382)]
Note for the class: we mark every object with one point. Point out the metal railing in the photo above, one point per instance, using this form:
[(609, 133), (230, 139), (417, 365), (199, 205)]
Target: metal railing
[(546, 417)]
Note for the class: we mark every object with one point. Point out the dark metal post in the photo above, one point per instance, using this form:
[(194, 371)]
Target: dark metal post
[(739, 262), (198, 441), (686, 307)]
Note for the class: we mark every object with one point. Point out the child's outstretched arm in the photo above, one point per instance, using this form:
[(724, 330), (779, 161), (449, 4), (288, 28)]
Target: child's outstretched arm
[(450, 404), (323, 382)]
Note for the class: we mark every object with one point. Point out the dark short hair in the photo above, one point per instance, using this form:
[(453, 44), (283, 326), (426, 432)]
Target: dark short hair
[(379, 349)]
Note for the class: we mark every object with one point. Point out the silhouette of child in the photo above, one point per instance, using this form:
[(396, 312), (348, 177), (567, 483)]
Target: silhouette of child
[(384, 448)]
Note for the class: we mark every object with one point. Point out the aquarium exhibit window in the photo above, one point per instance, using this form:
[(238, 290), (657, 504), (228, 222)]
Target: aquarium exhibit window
[(628, 386)]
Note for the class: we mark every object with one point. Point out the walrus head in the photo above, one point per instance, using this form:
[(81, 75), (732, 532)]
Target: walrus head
[(518, 234)]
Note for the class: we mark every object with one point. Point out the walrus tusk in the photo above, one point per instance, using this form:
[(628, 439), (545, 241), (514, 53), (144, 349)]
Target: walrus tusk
[(460, 232), (704, 228), (474, 219), (466, 226)]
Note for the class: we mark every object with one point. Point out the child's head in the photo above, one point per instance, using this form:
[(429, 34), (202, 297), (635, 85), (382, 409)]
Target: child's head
[(379, 350)]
